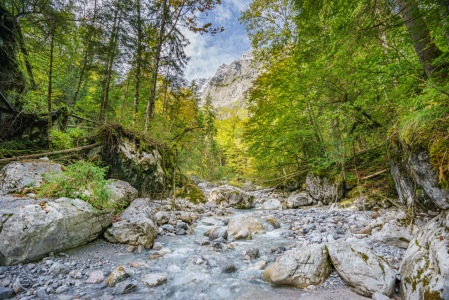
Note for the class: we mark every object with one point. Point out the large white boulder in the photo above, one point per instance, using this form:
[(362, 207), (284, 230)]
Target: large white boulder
[(232, 196), (17, 175), (271, 204), (425, 268), (138, 225), (122, 192), (34, 231), (325, 188), (238, 223), (361, 269), (396, 233), (300, 268), (296, 200)]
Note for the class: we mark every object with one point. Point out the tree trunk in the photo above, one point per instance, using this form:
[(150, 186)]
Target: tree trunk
[(444, 14), (149, 113), (50, 125), (138, 62), (124, 99), (24, 50), (419, 33), (165, 94)]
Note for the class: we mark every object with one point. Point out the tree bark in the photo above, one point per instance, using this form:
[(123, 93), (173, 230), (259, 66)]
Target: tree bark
[(49, 92), (425, 48), (24, 50), (149, 113), (124, 99), (138, 62)]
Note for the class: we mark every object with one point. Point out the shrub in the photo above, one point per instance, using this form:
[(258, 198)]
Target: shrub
[(82, 180)]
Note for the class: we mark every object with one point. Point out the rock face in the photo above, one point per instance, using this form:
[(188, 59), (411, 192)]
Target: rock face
[(362, 270), (296, 200), (227, 87), (227, 195), (300, 268), (396, 233), (36, 230), (239, 223), (325, 188), (17, 175), (425, 268), (138, 225), (122, 192)]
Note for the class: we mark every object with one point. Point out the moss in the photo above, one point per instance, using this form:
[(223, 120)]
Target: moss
[(194, 194), (403, 239), (364, 256), (435, 295)]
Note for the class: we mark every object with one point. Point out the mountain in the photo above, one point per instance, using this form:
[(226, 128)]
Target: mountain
[(229, 84)]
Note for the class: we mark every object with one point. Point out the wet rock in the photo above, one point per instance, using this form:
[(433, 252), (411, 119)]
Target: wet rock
[(125, 287), (300, 268), (17, 175), (122, 193), (37, 230), (252, 253), (361, 269), (260, 264), (168, 227), (182, 225), (137, 225), (157, 246), (273, 222), (190, 231), (239, 223), (96, 277), (228, 267), (162, 218), (180, 231), (324, 187), (6, 293), (243, 234), (425, 268), (296, 200), (154, 279), (218, 233), (185, 217), (118, 274), (231, 196), (396, 233), (271, 204)]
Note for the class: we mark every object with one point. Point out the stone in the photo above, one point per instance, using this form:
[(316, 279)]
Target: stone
[(17, 286), (118, 274), (379, 296), (218, 233), (162, 218), (16, 176), (243, 234), (252, 253), (168, 227), (211, 204), (273, 222), (131, 249), (325, 188), (228, 267), (271, 204), (231, 196), (185, 217), (125, 287), (300, 268), (260, 264), (210, 221), (190, 231), (191, 193), (96, 277), (122, 193), (6, 293), (62, 289), (76, 274), (425, 266), (137, 225), (296, 200), (157, 246), (239, 223), (35, 230), (154, 279), (362, 242), (361, 269), (396, 233), (58, 268)]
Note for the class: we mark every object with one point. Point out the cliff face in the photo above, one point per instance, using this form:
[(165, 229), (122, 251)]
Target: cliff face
[(227, 87)]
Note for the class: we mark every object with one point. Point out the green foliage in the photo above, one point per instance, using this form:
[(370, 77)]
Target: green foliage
[(66, 140), (82, 180), (194, 194)]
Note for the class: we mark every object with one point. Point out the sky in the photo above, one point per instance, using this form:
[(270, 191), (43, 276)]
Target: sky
[(208, 52)]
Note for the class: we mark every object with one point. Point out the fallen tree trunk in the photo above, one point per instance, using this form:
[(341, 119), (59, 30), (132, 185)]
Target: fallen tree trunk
[(49, 153), (374, 174)]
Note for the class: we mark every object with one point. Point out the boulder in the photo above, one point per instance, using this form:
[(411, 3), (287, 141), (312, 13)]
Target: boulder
[(325, 188), (218, 233), (425, 267), (238, 223), (296, 200), (192, 193), (273, 222), (162, 218), (138, 225), (243, 234), (154, 279), (117, 275), (361, 269), (18, 175), (34, 231), (396, 233), (300, 268), (271, 204), (231, 196), (122, 192)]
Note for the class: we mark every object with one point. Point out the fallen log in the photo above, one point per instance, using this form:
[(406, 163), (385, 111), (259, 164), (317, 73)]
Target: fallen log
[(374, 174), (50, 153)]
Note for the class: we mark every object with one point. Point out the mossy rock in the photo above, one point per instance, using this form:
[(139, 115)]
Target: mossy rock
[(191, 192)]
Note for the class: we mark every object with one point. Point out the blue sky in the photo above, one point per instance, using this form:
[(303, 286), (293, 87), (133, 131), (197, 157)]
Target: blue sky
[(208, 52)]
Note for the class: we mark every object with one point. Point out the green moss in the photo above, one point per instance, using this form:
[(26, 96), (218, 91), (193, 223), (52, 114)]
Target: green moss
[(194, 194), (364, 256), (435, 295), (403, 239)]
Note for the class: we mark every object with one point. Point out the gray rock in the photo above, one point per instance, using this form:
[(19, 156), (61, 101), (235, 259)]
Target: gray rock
[(122, 192), (296, 200), (17, 175), (154, 279), (168, 227), (6, 293), (137, 225), (182, 225), (239, 223), (379, 296), (271, 204), (396, 233), (125, 287), (17, 286), (63, 224), (243, 234), (361, 269), (62, 289), (162, 218), (231, 196), (218, 233), (228, 267), (58, 268), (252, 252), (325, 188), (300, 268)]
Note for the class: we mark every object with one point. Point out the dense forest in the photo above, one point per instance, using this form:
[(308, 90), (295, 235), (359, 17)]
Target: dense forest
[(341, 81)]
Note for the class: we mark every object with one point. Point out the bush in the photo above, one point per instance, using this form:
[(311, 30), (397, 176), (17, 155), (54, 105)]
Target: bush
[(82, 180)]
